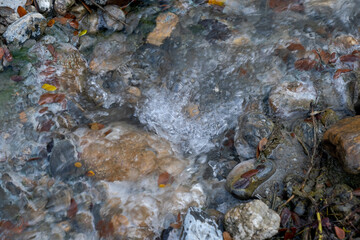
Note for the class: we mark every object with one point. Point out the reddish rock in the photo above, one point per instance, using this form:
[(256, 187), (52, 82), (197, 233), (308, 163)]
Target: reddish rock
[(342, 140)]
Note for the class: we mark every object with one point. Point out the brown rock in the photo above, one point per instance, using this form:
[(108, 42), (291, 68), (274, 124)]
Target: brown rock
[(125, 153), (165, 24), (342, 140)]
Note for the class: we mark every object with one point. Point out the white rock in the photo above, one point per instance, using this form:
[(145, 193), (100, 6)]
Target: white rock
[(44, 6), (14, 4), (30, 25), (199, 226), (252, 221)]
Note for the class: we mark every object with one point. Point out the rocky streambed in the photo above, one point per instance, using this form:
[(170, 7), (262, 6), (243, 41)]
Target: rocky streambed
[(179, 119)]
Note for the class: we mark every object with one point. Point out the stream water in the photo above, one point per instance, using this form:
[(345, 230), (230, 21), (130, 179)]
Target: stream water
[(183, 100)]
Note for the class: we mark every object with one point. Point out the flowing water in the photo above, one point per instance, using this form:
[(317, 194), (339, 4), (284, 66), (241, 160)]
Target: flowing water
[(219, 64)]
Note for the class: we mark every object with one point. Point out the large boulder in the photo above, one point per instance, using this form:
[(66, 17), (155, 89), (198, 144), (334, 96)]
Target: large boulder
[(31, 25), (252, 221), (342, 140), (123, 152)]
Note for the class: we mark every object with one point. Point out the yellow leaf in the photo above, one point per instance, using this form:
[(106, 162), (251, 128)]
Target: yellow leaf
[(48, 87), (217, 2), (78, 164), (82, 33), (162, 185), (90, 173)]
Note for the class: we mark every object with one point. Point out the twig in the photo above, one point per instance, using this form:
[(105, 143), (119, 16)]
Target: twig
[(287, 201), (112, 16), (86, 6), (125, 6)]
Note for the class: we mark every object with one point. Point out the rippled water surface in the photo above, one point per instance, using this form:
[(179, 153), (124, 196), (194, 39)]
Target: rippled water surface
[(181, 101)]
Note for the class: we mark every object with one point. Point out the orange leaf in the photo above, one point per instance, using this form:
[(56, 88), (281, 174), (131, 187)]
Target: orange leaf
[(349, 58), (51, 98), (325, 56), (51, 22), (226, 236), (21, 11), (71, 212), (61, 20), (165, 179), (90, 173), (43, 110), (74, 24), (1, 53), (52, 50), (340, 71), (250, 173), (69, 16), (75, 33), (217, 2), (105, 229), (22, 117), (107, 132), (176, 225), (340, 233), (305, 64), (296, 47), (262, 144), (96, 126)]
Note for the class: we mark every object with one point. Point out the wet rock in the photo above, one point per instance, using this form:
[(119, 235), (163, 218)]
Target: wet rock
[(100, 2), (31, 25), (44, 6), (215, 30), (341, 140), (62, 160), (14, 4), (109, 55), (252, 127), (91, 22), (115, 11), (198, 225), (245, 177), (60, 199), (291, 98), (62, 6), (78, 11), (343, 202), (84, 222), (252, 220), (165, 24), (139, 153)]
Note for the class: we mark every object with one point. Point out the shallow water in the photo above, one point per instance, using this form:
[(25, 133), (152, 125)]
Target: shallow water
[(219, 64)]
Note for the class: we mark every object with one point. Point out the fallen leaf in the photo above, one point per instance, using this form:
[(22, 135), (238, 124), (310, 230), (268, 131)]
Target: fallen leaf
[(242, 183), (22, 117), (74, 24), (43, 110), (226, 236), (75, 33), (349, 58), (17, 78), (296, 47), (340, 233), (325, 56), (292, 135), (90, 173), (61, 20), (217, 2), (69, 16), (96, 126), (332, 58), (52, 50), (178, 223), (285, 216), (51, 98), (78, 164), (305, 64), (165, 179), (105, 229), (51, 23), (7, 54), (261, 147), (82, 33), (107, 132), (1, 53), (21, 11), (71, 212), (340, 71), (48, 87), (45, 126), (250, 173)]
